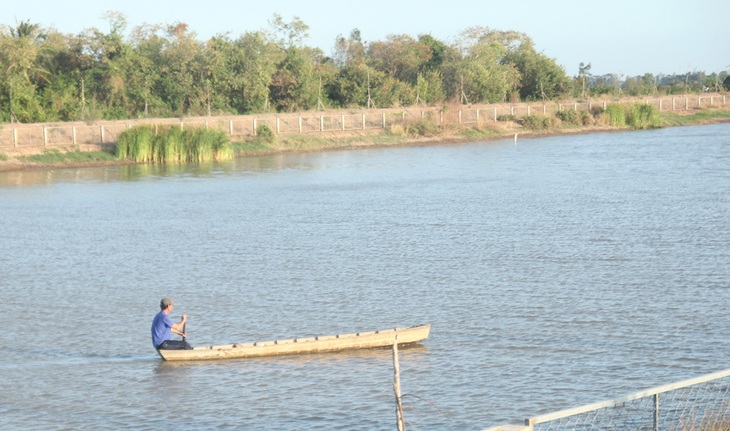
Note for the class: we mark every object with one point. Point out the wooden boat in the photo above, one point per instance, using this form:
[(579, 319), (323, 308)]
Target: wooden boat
[(294, 346)]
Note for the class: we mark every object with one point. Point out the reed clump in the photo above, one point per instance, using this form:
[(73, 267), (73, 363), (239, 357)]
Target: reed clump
[(636, 116), (143, 144)]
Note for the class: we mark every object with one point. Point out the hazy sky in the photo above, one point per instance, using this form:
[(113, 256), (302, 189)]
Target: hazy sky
[(628, 37)]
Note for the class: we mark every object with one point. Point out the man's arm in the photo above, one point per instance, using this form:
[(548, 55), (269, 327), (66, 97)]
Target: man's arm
[(177, 327)]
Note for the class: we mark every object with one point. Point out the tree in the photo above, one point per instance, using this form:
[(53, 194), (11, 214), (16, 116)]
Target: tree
[(399, 56), (584, 71), (20, 50)]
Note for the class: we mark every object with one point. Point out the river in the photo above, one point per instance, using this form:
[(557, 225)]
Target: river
[(556, 271)]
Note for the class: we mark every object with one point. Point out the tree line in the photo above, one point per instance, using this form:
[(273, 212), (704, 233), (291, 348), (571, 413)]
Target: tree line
[(164, 71)]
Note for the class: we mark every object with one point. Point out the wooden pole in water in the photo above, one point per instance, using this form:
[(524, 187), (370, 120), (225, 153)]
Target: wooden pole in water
[(396, 388)]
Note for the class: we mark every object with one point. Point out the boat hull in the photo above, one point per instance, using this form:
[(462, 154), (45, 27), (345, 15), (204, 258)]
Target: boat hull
[(296, 346)]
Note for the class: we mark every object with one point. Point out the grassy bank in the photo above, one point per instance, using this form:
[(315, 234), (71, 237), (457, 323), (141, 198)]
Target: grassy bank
[(421, 133)]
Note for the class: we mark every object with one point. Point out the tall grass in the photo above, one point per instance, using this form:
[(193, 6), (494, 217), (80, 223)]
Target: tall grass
[(171, 145), (636, 116)]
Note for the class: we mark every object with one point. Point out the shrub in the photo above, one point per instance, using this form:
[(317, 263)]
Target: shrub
[(264, 134), (586, 118), (505, 118), (423, 128), (4, 157), (536, 122), (569, 117)]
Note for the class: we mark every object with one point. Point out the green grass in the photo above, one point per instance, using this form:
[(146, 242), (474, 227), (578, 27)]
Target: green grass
[(54, 156), (698, 117), (144, 144), (4, 157)]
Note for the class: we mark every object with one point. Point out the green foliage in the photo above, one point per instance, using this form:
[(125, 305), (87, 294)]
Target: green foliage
[(4, 157), (636, 116), (641, 116), (537, 122), (569, 116), (616, 115), (265, 135), (172, 145), (506, 118), (164, 71), (424, 127)]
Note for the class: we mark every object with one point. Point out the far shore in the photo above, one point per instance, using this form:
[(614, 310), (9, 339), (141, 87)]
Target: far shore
[(12, 159)]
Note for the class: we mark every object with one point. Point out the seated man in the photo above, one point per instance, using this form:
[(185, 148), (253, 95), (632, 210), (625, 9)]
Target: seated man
[(163, 327)]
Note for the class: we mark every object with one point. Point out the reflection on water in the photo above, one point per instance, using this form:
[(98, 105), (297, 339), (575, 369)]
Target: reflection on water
[(558, 272)]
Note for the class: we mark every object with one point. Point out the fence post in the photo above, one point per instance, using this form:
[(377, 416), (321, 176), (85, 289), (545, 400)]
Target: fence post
[(342, 118), (660, 105), (299, 123), (528, 110), (230, 127), (512, 110), (495, 114), (278, 128), (321, 123), (363, 121), (544, 109), (686, 103), (477, 117), (73, 135), (459, 116), (101, 133), (383, 120), (15, 138), (254, 127), (656, 412)]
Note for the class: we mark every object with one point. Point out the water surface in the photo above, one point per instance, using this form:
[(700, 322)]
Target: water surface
[(555, 272)]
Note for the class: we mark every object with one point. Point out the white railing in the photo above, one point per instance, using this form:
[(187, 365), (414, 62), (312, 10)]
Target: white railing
[(699, 404)]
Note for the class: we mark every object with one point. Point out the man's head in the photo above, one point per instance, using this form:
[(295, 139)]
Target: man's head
[(166, 302)]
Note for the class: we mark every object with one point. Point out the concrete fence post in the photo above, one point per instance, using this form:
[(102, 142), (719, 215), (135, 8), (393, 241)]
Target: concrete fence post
[(299, 124), (342, 119), (383, 120), (101, 133), (15, 138), (254, 127), (278, 126), (321, 123), (73, 135), (363, 121), (230, 127)]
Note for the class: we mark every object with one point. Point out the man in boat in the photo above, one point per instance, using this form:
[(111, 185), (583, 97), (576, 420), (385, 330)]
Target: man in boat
[(163, 327)]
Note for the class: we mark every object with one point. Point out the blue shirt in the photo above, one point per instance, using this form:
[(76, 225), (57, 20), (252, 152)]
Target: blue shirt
[(161, 328)]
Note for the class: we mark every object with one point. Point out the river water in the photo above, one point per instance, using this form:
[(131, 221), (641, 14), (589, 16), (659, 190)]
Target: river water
[(556, 272)]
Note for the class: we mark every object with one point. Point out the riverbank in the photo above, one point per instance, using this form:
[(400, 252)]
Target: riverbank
[(12, 159)]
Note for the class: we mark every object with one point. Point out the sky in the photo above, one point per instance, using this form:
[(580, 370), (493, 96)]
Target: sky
[(624, 37)]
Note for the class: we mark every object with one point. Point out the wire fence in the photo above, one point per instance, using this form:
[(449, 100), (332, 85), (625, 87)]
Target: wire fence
[(39, 135), (700, 404)]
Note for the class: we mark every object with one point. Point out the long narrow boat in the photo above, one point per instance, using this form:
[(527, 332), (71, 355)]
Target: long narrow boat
[(294, 346)]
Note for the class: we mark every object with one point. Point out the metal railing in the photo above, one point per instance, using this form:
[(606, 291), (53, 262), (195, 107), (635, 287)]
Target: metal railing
[(106, 132), (699, 404)]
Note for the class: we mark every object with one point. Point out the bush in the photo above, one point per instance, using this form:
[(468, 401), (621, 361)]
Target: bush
[(423, 128), (4, 157), (569, 117), (586, 118), (537, 122), (265, 135), (505, 118)]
